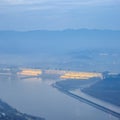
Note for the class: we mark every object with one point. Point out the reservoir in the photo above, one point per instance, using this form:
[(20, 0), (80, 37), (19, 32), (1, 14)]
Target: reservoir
[(37, 97)]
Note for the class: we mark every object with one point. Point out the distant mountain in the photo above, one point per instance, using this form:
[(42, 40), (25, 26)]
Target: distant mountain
[(31, 42), (8, 113)]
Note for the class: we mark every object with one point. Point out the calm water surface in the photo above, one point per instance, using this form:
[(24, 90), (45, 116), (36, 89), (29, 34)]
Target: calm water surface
[(38, 98)]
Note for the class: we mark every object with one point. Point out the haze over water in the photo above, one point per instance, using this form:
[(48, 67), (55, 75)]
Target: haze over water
[(40, 99), (72, 35)]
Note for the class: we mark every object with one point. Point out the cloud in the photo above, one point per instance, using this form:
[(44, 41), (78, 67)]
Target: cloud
[(65, 2), (20, 2), (61, 5), (59, 14)]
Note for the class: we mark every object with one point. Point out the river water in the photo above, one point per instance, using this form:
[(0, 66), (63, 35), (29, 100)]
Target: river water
[(38, 98)]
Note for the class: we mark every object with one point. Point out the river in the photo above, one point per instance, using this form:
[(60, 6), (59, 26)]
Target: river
[(38, 98)]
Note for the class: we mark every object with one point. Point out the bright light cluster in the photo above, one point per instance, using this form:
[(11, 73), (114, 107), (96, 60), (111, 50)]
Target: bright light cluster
[(30, 72), (80, 75)]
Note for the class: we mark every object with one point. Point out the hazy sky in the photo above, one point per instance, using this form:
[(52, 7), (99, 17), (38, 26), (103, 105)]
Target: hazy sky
[(59, 14)]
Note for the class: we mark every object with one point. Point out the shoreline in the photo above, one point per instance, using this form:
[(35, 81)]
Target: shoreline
[(81, 98)]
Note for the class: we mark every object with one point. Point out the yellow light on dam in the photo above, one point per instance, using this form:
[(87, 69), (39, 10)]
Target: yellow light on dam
[(80, 75), (30, 72)]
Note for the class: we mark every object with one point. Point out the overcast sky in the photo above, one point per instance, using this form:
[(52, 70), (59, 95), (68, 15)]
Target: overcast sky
[(59, 14)]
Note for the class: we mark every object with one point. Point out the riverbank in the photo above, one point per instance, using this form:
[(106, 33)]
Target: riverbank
[(106, 107), (9, 113)]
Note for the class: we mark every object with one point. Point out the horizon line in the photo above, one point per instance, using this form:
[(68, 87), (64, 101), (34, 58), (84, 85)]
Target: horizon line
[(61, 30)]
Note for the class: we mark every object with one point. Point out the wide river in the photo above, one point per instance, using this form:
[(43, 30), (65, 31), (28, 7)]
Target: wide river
[(38, 98)]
